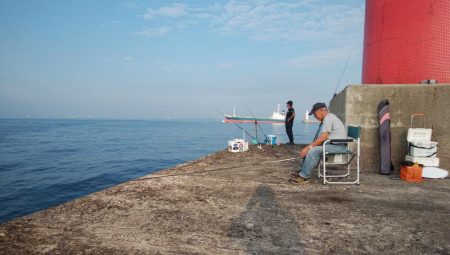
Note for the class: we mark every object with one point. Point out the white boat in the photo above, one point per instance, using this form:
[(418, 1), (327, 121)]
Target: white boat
[(307, 120)]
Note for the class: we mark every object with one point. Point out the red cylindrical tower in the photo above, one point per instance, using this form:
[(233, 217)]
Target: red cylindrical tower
[(406, 41)]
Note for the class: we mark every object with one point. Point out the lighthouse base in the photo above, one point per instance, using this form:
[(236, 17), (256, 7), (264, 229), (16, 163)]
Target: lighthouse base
[(357, 105)]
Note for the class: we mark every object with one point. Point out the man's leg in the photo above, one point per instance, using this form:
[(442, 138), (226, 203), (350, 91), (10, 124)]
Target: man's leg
[(289, 133), (314, 155), (310, 161)]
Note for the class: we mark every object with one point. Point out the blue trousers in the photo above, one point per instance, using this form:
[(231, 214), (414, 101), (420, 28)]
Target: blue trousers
[(314, 155)]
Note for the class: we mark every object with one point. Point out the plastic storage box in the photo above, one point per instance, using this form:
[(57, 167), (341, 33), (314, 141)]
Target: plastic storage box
[(411, 172)]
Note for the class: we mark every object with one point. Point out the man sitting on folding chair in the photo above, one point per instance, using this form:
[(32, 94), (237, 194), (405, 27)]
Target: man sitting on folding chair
[(332, 128)]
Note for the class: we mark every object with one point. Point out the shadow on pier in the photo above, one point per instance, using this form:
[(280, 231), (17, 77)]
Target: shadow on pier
[(265, 227)]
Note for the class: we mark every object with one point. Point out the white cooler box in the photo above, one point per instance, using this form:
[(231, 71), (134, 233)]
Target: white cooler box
[(423, 160), (422, 149)]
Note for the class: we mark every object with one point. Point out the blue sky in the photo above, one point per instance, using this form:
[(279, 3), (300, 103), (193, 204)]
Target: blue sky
[(174, 59)]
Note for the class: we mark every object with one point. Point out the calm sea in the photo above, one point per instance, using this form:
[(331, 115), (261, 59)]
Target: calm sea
[(47, 162)]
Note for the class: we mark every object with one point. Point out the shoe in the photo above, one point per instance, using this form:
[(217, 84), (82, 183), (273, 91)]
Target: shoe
[(294, 174), (290, 143), (298, 180)]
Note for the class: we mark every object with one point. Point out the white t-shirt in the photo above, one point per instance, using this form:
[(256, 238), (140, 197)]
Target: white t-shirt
[(334, 126)]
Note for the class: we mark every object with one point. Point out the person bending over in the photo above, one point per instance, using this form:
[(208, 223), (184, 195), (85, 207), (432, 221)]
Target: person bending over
[(332, 128)]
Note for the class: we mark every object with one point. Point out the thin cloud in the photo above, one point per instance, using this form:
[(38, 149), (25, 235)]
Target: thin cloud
[(129, 60), (153, 32), (225, 65), (111, 25), (130, 5), (322, 58), (269, 20), (280, 21), (173, 10), (184, 24)]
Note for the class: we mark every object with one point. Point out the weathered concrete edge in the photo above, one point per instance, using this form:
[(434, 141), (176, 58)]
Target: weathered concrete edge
[(165, 171)]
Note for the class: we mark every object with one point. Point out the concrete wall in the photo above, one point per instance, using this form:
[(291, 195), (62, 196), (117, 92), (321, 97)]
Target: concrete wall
[(357, 105)]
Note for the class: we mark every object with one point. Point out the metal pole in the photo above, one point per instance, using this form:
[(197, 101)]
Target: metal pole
[(256, 129)]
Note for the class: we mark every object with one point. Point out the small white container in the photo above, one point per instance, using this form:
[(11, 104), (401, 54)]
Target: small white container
[(419, 134), (237, 145), (272, 139)]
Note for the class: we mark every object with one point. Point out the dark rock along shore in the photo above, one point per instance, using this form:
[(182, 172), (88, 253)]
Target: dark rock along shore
[(241, 203)]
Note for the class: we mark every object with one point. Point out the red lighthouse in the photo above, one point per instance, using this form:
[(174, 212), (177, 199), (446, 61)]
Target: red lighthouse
[(406, 41)]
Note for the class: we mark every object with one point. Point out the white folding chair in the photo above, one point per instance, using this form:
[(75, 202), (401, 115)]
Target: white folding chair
[(341, 159)]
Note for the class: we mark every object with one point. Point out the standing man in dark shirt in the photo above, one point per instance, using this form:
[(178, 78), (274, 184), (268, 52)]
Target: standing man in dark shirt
[(290, 115)]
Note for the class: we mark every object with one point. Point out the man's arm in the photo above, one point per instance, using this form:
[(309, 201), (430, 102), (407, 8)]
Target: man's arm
[(292, 116), (319, 141)]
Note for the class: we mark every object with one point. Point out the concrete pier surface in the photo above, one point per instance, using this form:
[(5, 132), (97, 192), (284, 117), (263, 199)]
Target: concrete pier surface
[(241, 203)]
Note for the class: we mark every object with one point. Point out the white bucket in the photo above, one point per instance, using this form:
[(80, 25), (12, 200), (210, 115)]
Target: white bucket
[(272, 139)]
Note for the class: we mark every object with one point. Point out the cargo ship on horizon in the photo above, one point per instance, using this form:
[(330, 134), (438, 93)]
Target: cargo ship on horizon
[(276, 118)]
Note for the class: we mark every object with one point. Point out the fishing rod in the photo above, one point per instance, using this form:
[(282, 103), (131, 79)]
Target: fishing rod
[(318, 131), (267, 138), (335, 90), (342, 74), (315, 137), (228, 168), (334, 94), (258, 125), (241, 128)]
